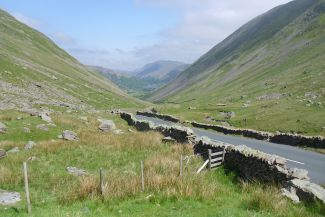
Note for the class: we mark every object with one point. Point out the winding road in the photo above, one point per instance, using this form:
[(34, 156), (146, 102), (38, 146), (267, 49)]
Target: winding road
[(296, 157)]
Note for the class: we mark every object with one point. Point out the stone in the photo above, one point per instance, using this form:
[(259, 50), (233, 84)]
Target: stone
[(299, 173), (13, 150), (30, 145), (2, 153), (307, 191), (76, 171), (9, 198), (130, 130), (46, 118), (3, 128), (107, 125), (69, 135), (168, 139), (290, 193), (19, 118), (42, 127), (26, 130)]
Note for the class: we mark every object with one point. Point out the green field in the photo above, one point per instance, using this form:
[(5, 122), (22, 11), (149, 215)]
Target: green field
[(54, 192)]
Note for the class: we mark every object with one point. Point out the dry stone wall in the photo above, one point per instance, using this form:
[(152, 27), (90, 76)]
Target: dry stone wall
[(251, 164), (160, 116), (281, 138)]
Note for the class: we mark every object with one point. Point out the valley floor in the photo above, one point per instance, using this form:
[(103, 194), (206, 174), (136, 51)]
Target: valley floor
[(55, 192)]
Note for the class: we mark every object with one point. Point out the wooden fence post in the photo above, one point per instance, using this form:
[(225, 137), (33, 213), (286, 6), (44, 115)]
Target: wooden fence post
[(101, 181), (181, 166), (29, 207), (142, 177), (210, 152)]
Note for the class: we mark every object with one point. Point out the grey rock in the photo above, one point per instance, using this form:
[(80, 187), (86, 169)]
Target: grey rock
[(3, 128), (290, 193), (51, 125), (30, 145), (299, 173), (107, 125), (9, 198), (42, 127), (69, 135), (2, 153), (307, 191), (13, 150), (19, 118), (76, 171), (46, 118)]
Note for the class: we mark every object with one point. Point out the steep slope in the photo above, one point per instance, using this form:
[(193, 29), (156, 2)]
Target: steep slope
[(269, 69), (34, 71), (164, 70)]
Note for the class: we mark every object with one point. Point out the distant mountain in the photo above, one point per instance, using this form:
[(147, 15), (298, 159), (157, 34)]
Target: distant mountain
[(273, 66), (162, 70), (146, 79), (36, 72)]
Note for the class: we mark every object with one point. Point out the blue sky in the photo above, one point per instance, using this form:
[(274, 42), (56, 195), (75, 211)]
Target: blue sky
[(127, 34)]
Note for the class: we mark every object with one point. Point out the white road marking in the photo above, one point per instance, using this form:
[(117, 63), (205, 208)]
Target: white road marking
[(295, 161), (280, 156)]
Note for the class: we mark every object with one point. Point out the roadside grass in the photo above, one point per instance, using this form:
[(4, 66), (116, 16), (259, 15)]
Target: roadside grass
[(54, 192)]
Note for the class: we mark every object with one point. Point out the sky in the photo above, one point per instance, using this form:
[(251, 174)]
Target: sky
[(126, 34)]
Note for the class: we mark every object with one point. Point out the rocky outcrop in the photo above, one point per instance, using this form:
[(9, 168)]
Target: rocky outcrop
[(160, 116), (281, 138)]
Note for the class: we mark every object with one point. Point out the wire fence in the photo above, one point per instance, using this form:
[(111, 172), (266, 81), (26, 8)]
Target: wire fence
[(66, 188)]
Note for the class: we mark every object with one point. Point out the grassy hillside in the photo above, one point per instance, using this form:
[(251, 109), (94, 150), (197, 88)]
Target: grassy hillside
[(270, 72), (34, 71), (55, 192)]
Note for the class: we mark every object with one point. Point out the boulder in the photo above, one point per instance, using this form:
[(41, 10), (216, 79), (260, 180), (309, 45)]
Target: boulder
[(76, 171), (107, 125), (9, 198), (3, 128), (69, 135), (2, 153), (46, 118), (30, 145)]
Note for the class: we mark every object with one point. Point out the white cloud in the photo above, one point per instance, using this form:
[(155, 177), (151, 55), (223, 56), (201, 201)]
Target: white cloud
[(203, 24), (36, 24)]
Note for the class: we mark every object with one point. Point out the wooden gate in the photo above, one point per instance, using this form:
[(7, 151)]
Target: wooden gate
[(216, 158)]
